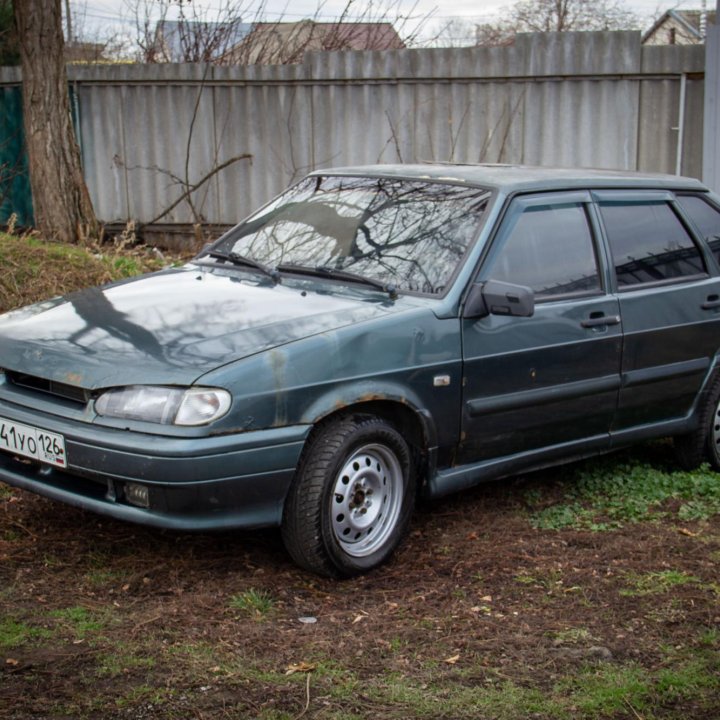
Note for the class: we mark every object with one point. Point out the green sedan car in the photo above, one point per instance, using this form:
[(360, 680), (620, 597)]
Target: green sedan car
[(372, 335)]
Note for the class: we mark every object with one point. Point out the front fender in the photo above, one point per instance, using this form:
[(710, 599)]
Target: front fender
[(359, 393)]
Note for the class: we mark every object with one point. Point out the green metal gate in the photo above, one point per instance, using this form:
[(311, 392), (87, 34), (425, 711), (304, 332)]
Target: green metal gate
[(15, 194)]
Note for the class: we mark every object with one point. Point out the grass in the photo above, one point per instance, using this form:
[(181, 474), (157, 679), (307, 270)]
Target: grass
[(257, 603), (606, 494), (36, 270), (102, 578), (14, 634), (116, 664), (573, 636), (602, 691), (611, 689), (598, 691), (79, 621), (655, 583), (145, 695)]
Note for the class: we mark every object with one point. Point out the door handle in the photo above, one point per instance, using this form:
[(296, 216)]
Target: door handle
[(600, 319), (713, 301)]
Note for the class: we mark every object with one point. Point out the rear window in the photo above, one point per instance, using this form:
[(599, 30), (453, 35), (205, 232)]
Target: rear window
[(649, 244)]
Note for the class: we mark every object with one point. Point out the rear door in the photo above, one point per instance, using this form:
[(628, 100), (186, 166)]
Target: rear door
[(669, 297), (551, 379)]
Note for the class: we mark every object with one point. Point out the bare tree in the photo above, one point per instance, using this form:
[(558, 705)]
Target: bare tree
[(62, 206), (556, 16), (9, 54), (238, 32), (177, 31), (456, 32), (566, 15), (86, 42)]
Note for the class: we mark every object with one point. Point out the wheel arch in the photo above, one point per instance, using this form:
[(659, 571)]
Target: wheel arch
[(414, 423)]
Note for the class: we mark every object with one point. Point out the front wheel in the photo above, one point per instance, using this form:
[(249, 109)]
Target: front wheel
[(352, 498)]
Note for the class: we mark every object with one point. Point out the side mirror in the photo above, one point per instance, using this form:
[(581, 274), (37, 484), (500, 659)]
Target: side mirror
[(499, 298)]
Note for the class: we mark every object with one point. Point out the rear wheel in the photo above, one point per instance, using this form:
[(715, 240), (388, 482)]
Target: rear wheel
[(352, 498), (703, 445)]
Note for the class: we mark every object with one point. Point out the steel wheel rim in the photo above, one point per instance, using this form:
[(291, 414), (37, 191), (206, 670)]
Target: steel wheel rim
[(366, 500)]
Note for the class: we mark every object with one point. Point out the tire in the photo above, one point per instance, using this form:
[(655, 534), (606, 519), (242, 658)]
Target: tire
[(702, 445), (351, 501)]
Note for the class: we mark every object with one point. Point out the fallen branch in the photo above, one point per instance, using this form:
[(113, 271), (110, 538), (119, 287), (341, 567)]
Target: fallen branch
[(192, 188), (307, 698)]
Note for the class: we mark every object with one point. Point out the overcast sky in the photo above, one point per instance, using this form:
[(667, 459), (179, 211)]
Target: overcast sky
[(103, 14)]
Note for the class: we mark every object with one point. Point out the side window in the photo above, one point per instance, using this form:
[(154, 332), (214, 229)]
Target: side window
[(550, 249), (707, 219), (649, 243)]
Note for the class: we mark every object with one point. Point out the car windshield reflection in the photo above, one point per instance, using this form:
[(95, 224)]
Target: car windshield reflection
[(411, 235)]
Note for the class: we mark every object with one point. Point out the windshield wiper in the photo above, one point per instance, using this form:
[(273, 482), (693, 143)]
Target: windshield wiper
[(242, 260), (336, 274)]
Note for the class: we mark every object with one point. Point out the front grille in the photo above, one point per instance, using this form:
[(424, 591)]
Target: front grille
[(49, 387)]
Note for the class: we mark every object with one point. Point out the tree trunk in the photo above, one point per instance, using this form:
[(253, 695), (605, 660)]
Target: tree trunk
[(61, 202)]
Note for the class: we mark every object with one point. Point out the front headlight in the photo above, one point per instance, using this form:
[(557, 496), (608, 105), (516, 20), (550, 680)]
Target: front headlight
[(165, 405)]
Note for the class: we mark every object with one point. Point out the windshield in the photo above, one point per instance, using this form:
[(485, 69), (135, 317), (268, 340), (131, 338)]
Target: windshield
[(407, 233)]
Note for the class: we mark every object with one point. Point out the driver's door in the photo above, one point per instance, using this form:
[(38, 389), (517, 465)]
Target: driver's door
[(551, 379)]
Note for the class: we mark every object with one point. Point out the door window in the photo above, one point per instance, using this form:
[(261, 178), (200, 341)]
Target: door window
[(707, 219), (649, 244), (550, 249)]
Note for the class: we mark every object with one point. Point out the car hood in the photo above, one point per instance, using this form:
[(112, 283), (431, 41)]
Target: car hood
[(174, 326)]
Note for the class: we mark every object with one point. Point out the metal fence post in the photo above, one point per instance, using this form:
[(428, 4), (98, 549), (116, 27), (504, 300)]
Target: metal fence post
[(711, 126)]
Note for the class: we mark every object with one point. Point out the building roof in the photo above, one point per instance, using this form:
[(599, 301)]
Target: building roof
[(351, 35), (287, 42), (689, 20)]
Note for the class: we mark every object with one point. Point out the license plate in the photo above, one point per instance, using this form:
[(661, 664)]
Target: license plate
[(32, 442)]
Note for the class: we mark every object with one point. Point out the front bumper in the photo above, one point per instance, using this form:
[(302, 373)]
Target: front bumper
[(194, 483)]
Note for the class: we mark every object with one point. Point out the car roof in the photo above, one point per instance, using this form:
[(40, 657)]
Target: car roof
[(521, 178)]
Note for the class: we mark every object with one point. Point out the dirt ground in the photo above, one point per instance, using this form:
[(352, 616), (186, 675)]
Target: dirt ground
[(119, 621)]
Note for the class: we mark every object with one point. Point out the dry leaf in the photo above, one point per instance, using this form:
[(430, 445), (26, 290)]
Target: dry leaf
[(689, 533), (358, 618), (12, 661), (301, 667), (452, 660), (471, 536)]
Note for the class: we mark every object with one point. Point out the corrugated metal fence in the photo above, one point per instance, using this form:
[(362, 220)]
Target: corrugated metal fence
[(149, 132)]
